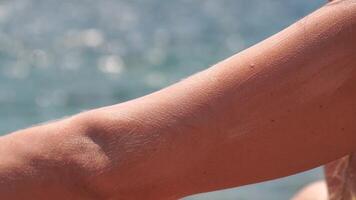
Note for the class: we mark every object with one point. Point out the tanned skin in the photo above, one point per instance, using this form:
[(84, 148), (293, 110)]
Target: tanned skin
[(283, 106)]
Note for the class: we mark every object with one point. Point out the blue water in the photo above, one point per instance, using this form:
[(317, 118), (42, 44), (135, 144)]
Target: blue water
[(58, 58)]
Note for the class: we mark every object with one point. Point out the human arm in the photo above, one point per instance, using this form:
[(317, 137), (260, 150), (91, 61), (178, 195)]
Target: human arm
[(280, 107)]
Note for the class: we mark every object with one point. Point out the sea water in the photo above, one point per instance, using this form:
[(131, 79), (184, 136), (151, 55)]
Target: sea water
[(58, 58)]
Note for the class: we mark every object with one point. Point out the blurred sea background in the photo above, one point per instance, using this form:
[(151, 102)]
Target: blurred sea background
[(58, 58)]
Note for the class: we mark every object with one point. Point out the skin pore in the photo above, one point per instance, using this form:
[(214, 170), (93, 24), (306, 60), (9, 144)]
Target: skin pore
[(280, 107)]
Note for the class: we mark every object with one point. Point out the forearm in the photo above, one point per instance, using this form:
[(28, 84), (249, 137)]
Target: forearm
[(46, 162)]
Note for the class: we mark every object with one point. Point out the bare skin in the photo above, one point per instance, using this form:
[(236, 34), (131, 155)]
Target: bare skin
[(283, 106), (340, 182), (314, 191)]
